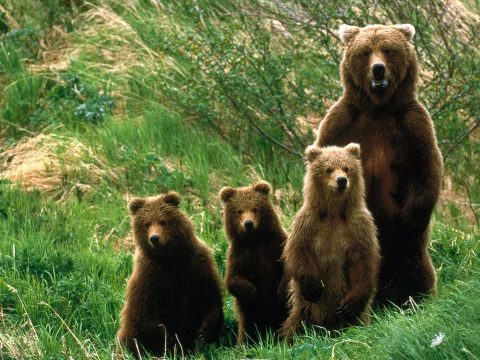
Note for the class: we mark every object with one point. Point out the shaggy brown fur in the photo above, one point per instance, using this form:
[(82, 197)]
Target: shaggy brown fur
[(401, 161), (174, 293), (255, 268), (332, 252)]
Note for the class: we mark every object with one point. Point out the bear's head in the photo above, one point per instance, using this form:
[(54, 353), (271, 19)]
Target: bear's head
[(335, 172), (247, 210), (379, 61), (158, 224)]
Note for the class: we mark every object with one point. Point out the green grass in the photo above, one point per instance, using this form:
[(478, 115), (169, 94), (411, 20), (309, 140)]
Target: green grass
[(167, 100), (60, 274)]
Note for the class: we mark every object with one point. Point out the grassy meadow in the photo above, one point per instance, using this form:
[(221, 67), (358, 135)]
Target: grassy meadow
[(107, 99)]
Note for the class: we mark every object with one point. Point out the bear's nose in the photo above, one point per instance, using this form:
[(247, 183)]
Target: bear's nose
[(248, 225), (342, 182), (155, 239), (378, 71)]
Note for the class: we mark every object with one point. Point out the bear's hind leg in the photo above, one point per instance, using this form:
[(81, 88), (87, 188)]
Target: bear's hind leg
[(412, 278), (291, 326)]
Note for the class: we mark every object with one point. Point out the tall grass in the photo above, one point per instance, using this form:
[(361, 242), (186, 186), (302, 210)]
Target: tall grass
[(61, 279)]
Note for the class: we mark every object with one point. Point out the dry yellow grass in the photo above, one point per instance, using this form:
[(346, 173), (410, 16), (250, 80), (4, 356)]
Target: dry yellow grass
[(53, 164)]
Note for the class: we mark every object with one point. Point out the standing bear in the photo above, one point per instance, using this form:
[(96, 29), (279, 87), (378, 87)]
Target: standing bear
[(332, 253), (254, 266), (174, 294), (401, 161)]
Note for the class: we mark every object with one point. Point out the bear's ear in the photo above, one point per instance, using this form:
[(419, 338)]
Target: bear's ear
[(262, 187), (353, 149), (407, 30), (172, 198), (226, 193), (312, 152), (347, 33), (135, 204)]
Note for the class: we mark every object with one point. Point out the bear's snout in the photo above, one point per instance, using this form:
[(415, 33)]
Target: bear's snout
[(380, 81), (154, 239), (342, 182), (248, 224), (155, 234), (378, 70)]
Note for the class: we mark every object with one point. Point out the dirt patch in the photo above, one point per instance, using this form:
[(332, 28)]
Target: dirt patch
[(53, 164), (54, 52)]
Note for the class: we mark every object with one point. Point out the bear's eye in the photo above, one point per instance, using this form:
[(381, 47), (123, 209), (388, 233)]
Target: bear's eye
[(329, 170), (240, 212), (162, 222), (345, 169), (147, 225), (254, 210), (388, 51), (366, 52)]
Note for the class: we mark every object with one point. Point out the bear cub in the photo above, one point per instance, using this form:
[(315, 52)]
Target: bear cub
[(174, 294), (332, 253), (254, 266)]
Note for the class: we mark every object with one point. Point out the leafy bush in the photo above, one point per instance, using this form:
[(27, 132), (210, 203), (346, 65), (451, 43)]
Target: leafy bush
[(95, 109)]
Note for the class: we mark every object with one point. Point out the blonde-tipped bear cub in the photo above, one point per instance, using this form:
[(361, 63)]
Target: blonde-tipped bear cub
[(332, 253)]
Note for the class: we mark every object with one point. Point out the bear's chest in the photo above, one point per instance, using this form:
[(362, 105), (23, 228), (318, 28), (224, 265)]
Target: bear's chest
[(331, 245), (260, 263), (379, 139), (331, 239), (377, 158)]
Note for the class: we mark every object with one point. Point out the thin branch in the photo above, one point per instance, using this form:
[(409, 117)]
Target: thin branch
[(253, 121), (470, 202), (462, 137)]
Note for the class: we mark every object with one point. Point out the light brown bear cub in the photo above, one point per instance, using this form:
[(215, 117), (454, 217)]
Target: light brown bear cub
[(332, 253), (255, 267), (174, 293)]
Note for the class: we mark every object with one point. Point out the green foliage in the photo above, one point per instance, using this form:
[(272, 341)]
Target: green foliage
[(53, 272), (22, 99), (96, 109), (10, 60)]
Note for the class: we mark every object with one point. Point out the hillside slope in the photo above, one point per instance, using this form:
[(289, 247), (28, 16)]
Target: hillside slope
[(103, 100)]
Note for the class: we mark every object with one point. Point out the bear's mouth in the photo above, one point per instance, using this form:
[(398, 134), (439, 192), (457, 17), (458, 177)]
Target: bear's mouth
[(379, 84), (157, 244), (248, 230)]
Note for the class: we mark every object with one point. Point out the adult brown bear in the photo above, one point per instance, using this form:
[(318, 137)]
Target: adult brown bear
[(400, 157)]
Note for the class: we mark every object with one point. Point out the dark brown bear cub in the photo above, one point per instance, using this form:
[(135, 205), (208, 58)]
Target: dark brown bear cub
[(255, 268), (401, 161), (174, 293), (332, 252)]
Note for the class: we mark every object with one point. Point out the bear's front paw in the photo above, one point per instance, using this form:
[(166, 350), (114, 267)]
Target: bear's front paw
[(243, 290), (206, 336), (311, 289), (352, 305), (249, 293)]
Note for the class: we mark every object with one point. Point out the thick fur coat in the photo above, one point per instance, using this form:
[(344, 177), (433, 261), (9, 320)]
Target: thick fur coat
[(332, 254), (174, 294), (254, 264), (401, 161)]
